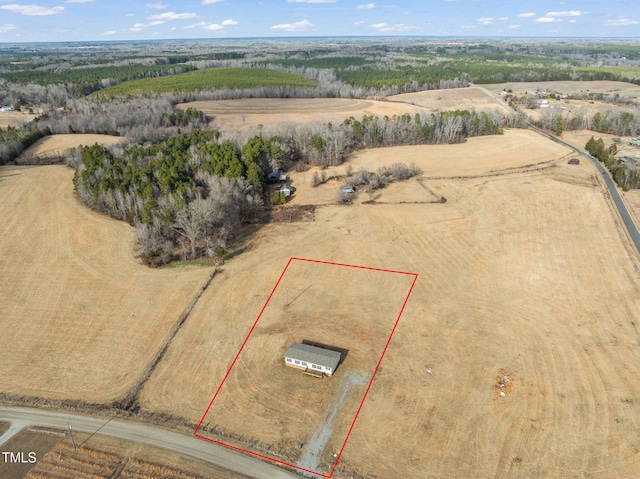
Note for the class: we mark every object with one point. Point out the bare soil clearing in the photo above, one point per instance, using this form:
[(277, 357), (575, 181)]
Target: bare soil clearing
[(245, 114), (57, 146), (80, 317), (568, 87), (471, 98), (14, 118), (526, 274)]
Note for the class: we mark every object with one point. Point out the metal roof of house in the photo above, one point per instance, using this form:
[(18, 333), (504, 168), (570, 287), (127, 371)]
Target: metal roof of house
[(313, 354)]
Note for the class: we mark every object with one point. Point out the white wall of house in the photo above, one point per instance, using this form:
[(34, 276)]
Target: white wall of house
[(305, 365)]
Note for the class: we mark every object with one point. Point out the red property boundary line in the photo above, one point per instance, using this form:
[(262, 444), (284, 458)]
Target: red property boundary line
[(384, 351)]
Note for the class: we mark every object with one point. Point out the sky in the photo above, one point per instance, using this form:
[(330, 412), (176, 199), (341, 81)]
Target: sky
[(95, 20)]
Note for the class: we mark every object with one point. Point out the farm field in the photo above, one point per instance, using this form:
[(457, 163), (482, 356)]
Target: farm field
[(14, 118), (74, 295), (245, 114), (451, 99), (208, 79), (56, 146), (101, 457), (526, 281), (314, 302), (569, 87), (477, 156)]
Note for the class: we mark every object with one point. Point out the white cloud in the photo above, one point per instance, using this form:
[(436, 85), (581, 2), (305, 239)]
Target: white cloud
[(503, 19), (569, 13), (526, 15), (109, 32), (621, 22), (7, 27), (158, 6), (547, 20), (211, 2), (367, 6), (513, 26), (79, 1), (130, 15), (140, 26), (215, 26), (396, 27), (33, 10), (293, 27), (311, 1), (361, 22), (485, 21), (172, 16)]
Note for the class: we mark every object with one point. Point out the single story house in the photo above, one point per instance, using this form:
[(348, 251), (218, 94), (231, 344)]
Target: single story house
[(6, 108), (307, 357)]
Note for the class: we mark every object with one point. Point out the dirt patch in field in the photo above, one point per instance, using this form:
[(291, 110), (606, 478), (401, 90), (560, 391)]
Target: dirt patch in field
[(245, 114), (14, 118), (470, 98), (56, 147), (528, 272), (80, 316), (4, 427)]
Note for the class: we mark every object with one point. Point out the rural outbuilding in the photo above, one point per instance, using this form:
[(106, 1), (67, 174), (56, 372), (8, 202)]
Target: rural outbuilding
[(312, 358)]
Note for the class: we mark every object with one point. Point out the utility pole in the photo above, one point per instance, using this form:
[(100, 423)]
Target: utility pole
[(71, 434)]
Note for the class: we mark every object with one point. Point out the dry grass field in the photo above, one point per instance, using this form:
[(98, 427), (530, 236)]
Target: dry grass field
[(348, 308), (14, 118), (526, 281), (80, 317), (477, 156), (56, 146), (569, 87), (245, 114), (471, 98)]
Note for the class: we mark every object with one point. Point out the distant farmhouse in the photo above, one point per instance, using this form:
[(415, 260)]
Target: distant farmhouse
[(5, 108), (314, 360)]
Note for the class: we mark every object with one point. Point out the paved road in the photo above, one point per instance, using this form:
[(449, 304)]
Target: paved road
[(634, 234), (620, 205), (153, 436)]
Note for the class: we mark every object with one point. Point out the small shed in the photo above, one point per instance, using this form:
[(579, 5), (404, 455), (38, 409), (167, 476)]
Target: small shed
[(347, 189), (313, 358), (6, 108)]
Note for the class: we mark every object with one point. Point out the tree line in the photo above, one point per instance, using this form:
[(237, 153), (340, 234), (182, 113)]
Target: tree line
[(625, 177)]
